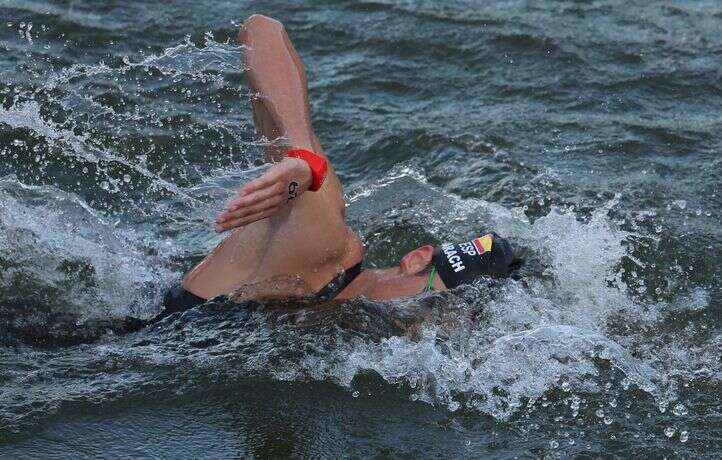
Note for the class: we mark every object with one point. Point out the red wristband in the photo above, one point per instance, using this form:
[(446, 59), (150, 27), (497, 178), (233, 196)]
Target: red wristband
[(317, 163)]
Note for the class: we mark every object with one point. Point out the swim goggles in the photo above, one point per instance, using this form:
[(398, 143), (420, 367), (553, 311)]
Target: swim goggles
[(430, 280)]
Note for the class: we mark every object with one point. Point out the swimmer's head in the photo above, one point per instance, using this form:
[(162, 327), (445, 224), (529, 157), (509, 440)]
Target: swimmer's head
[(462, 263), (447, 266)]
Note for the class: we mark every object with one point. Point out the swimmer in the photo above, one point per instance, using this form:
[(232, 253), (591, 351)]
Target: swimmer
[(286, 230)]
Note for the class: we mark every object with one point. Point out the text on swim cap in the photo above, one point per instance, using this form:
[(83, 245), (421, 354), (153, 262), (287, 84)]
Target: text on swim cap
[(453, 257), (468, 248)]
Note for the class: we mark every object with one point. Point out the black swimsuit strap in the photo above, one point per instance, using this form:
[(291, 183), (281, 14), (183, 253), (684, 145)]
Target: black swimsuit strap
[(178, 299), (338, 284)]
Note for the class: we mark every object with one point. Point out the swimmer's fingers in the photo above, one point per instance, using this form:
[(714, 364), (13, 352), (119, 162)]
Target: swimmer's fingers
[(248, 219), (258, 195), (230, 219), (268, 179), (280, 175), (279, 185)]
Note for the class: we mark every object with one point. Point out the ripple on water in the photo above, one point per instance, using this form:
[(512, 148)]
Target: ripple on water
[(585, 133)]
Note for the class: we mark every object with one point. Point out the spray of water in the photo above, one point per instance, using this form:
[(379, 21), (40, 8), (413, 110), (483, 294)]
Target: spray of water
[(496, 347)]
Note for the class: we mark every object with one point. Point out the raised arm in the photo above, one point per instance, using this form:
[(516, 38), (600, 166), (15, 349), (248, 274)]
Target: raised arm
[(281, 114), (276, 75)]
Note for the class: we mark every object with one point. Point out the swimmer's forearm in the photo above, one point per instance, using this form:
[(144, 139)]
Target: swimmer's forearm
[(275, 71)]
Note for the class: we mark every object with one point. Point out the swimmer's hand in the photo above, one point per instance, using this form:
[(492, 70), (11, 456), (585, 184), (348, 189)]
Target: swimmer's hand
[(264, 196)]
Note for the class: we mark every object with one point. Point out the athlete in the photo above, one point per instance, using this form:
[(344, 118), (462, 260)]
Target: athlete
[(287, 234)]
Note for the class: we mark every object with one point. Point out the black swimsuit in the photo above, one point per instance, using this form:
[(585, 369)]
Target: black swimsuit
[(178, 299), (338, 284)]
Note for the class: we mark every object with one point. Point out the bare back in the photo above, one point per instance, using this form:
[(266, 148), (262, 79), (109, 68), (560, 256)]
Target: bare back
[(307, 240)]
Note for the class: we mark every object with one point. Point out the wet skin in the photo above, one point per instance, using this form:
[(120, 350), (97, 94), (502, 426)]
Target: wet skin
[(285, 243)]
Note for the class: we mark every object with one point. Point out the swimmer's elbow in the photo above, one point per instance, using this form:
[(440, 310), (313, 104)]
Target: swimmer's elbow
[(255, 21), (257, 24)]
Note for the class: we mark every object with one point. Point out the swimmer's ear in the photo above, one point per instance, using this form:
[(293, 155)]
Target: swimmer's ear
[(417, 260)]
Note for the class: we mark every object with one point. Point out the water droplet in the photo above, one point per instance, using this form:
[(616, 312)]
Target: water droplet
[(679, 410), (669, 431), (663, 406), (683, 436), (105, 185), (126, 178), (575, 404), (599, 413), (613, 402), (553, 444), (355, 394), (681, 204), (565, 386), (608, 420)]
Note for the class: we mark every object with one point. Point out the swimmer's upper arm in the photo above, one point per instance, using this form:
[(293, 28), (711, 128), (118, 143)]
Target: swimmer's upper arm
[(275, 72)]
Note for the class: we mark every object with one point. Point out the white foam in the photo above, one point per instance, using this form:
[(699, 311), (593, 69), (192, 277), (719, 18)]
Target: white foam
[(536, 333), (55, 241)]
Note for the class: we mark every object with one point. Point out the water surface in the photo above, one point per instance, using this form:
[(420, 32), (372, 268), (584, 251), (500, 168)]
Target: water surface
[(587, 132)]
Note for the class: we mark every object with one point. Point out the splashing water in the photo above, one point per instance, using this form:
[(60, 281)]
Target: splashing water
[(113, 164)]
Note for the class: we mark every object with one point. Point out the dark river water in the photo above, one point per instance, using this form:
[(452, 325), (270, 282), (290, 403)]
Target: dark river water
[(587, 132)]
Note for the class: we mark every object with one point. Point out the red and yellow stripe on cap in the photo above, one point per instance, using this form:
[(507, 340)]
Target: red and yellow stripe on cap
[(483, 244)]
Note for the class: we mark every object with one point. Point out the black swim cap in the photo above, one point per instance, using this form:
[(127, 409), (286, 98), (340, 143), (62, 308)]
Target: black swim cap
[(462, 263)]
